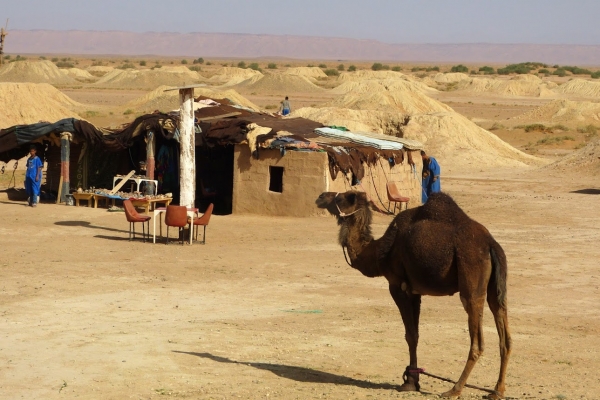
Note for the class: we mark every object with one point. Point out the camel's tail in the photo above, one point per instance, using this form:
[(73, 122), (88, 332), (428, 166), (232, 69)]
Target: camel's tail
[(499, 272)]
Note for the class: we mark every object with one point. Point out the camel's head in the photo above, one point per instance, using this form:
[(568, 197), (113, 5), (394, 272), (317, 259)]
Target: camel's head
[(343, 204)]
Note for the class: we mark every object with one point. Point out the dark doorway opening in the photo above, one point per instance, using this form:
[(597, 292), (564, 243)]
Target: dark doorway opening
[(276, 179), (214, 178)]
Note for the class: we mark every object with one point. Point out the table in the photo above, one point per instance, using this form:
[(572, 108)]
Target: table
[(106, 198), (191, 211), (138, 181), (149, 204), (89, 197)]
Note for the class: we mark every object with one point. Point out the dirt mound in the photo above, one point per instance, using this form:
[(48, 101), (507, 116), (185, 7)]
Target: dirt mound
[(99, 70), (450, 77), (281, 84), (454, 140), (563, 111), (230, 76), (35, 72), (311, 73), (586, 159), (158, 99), (521, 85), (378, 75), (28, 103), (580, 87), (392, 94), (149, 78), (81, 75)]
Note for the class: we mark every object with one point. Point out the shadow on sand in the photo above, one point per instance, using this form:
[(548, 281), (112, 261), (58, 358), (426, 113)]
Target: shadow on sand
[(299, 374), (86, 224), (586, 191)]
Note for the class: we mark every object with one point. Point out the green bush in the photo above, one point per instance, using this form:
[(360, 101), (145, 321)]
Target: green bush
[(7, 57), (62, 64), (577, 70), (417, 69), (195, 68), (459, 68), (560, 72), (272, 66), (255, 67), (521, 68), (487, 70), (352, 68), (396, 68), (128, 111), (596, 75), (435, 68), (496, 126), (142, 63), (322, 66), (198, 60), (125, 66), (42, 58), (241, 64), (543, 71), (554, 139), (341, 67), (589, 129), (377, 66), (331, 72), (184, 61), (208, 63)]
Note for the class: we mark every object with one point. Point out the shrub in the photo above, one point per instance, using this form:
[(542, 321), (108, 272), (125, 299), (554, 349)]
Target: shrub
[(487, 70), (322, 66), (577, 70), (126, 66), (94, 64), (532, 127), (142, 63), (417, 69), (270, 107), (195, 68), (272, 66), (496, 126), (331, 72), (128, 111), (543, 71), (208, 63), (459, 68), (255, 67), (397, 68), (555, 139), (241, 64), (7, 57), (377, 66), (287, 65), (341, 67), (198, 60), (560, 72), (521, 68), (352, 68), (596, 75), (309, 65), (62, 64), (589, 129), (435, 68), (42, 58)]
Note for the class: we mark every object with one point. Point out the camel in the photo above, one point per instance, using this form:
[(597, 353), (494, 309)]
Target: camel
[(435, 250)]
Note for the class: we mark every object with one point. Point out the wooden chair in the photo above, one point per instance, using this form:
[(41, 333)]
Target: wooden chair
[(176, 216), (202, 221), (133, 216), (395, 197)]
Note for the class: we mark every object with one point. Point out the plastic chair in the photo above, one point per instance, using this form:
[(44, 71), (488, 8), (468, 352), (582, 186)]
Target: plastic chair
[(202, 221), (133, 216), (176, 216), (395, 197)]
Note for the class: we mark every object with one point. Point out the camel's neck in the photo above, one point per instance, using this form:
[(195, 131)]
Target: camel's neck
[(362, 248)]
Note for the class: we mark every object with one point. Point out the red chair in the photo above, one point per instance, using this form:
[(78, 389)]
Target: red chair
[(202, 221), (176, 216), (395, 197), (133, 216)]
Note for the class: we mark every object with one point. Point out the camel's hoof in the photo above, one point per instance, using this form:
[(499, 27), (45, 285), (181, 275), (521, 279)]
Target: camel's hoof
[(494, 396), (408, 387), (451, 393)]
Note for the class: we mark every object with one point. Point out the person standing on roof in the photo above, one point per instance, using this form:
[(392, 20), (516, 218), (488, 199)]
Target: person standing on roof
[(33, 176), (431, 176), (285, 107)]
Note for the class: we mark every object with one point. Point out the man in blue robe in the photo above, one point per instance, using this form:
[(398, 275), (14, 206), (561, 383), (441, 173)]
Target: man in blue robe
[(33, 176), (431, 176)]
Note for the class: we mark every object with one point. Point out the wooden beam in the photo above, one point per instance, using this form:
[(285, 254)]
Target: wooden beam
[(123, 181)]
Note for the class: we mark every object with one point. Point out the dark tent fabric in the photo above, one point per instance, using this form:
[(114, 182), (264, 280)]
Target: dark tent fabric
[(22, 134)]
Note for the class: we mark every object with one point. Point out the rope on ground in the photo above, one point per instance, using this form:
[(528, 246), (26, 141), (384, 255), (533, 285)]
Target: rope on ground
[(422, 371)]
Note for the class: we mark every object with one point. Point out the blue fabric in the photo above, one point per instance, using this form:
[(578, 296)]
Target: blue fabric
[(429, 186), (285, 111), (31, 186), (33, 164)]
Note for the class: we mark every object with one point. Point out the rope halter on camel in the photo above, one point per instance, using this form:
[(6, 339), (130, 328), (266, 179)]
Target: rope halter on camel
[(343, 214)]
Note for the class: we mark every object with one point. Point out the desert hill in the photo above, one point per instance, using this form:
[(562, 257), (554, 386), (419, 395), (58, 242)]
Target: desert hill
[(35, 72)]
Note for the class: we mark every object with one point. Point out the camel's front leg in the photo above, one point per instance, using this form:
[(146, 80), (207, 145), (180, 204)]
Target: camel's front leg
[(410, 309), (474, 307)]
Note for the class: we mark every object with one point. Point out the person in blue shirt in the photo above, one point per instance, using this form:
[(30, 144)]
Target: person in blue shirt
[(431, 176), (33, 177)]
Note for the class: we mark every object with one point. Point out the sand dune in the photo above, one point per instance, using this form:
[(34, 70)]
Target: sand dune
[(312, 73), (586, 159), (280, 84), (580, 87), (230, 76), (28, 103), (563, 111), (520, 85), (35, 72), (149, 78)]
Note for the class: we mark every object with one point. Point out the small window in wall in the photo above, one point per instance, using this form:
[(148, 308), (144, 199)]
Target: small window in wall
[(276, 179)]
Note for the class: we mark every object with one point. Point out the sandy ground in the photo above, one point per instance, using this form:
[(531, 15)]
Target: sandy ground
[(269, 309)]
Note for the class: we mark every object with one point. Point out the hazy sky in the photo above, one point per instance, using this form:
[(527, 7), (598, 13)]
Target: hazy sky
[(390, 21)]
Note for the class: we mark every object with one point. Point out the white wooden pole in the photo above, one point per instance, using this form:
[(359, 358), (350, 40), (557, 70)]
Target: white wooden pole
[(187, 158)]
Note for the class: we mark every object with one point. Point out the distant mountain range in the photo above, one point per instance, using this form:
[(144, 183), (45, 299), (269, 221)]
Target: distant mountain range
[(285, 46)]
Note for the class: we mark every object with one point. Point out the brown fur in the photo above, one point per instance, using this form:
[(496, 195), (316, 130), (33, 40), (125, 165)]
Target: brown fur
[(434, 249)]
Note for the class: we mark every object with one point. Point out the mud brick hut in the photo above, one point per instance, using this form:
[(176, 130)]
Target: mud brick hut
[(246, 162)]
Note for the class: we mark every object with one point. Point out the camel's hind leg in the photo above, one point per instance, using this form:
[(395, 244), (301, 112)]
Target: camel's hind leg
[(474, 307), (501, 318), (410, 310)]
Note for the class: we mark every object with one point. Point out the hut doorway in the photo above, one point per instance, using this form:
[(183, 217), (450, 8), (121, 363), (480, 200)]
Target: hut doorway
[(214, 178)]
